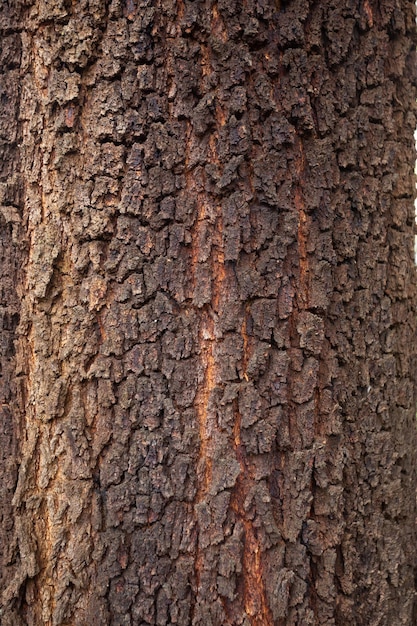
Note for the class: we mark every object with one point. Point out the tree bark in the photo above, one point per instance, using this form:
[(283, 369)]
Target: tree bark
[(208, 313)]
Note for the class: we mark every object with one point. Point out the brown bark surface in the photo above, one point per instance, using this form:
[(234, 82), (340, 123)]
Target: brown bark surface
[(206, 221)]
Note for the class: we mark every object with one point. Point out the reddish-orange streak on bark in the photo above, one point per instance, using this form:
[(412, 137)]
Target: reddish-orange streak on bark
[(302, 249), (206, 342), (255, 600), (180, 9), (245, 338), (256, 604), (202, 403), (206, 335), (369, 14), (205, 339), (217, 26), (302, 234)]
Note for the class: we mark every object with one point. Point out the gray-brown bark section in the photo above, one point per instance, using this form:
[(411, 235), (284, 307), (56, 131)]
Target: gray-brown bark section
[(12, 251), (218, 319)]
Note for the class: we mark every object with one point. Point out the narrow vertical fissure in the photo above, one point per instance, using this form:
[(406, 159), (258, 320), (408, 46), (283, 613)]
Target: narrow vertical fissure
[(254, 593)]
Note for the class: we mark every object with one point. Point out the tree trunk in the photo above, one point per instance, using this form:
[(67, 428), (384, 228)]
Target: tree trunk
[(208, 313)]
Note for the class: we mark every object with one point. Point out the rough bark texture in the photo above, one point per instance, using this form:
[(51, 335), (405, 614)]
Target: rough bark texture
[(207, 230), (12, 254)]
